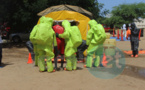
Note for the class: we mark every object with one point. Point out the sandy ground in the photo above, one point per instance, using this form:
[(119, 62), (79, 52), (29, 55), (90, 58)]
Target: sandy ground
[(16, 74)]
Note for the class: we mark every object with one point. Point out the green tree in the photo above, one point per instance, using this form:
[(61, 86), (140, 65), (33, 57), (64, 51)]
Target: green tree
[(126, 13), (22, 14)]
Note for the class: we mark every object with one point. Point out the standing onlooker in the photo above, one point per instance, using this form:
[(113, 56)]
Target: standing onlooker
[(0, 50), (134, 40), (124, 30)]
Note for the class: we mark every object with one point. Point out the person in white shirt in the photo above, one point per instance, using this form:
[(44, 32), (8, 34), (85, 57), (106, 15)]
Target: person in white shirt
[(0, 50), (124, 30)]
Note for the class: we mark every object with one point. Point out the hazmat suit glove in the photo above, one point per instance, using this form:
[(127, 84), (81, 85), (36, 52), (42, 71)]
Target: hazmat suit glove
[(57, 35)]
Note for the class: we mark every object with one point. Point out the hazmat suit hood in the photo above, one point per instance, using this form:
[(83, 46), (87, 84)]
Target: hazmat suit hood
[(66, 24), (49, 21), (42, 19), (92, 23), (133, 26)]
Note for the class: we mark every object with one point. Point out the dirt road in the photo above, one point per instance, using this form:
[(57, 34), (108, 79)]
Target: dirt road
[(16, 74)]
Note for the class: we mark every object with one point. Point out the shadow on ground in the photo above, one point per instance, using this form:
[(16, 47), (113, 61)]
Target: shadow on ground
[(134, 71), (5, 64)]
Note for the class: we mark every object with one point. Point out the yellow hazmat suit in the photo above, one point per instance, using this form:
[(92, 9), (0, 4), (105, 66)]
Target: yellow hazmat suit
[(44, 37), (71, 35), (34, 41), (95, 39)]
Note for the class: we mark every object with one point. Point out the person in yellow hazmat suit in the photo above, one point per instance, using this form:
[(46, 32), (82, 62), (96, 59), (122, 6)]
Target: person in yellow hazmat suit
[(44, 38), (95, 39), (73, 39), (33, 41)]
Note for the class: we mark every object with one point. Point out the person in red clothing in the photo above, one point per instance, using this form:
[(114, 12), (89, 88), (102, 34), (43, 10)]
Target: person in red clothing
[(60, 42)]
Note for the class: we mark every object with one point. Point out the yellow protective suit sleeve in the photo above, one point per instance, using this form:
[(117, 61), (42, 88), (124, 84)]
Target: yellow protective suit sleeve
[(67, 27), (34, 30), (32, 34), (103, 34), (75, 36), (97, 33), (55, 42), (65, 35), (89, 37)]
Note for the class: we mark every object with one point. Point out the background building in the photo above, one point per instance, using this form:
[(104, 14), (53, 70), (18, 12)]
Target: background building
[(140, 23)]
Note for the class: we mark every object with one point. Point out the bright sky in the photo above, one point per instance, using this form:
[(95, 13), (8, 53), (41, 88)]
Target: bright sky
[(109, 4)]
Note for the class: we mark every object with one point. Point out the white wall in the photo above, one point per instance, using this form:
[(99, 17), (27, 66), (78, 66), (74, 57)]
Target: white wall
[(140, 24)]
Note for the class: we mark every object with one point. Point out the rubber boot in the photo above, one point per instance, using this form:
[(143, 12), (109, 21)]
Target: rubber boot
[(55, 62), (89, 61), (62, 61), (74, 63), (69, 64), (136, 55), (97, 61), (132, 55), (49, 65), (41, 64)]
